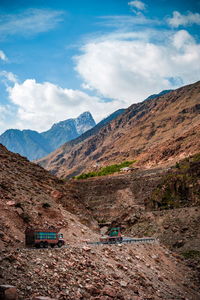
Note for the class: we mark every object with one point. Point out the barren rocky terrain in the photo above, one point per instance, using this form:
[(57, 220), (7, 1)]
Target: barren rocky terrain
[(119, 195), (30, 196), (82, 271), (126, 272), (159, 202), (158, 197), (155, 132)]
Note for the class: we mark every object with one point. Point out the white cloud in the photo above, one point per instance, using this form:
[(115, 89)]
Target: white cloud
[(182, 39), (137, 4), (3, 56), (9, 76), (125, 22), (131, 70), (39, 105), (178, 19), (29, 22)]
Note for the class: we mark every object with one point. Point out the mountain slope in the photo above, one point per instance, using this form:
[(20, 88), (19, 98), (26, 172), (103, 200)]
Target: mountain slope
[(79, 271), (28, 143), (159, 202), (34, 145), (158, 95), (160, 130), (31, 196)]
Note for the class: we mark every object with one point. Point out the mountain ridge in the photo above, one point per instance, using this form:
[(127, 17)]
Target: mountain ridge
[(35, 145), (136, 134)]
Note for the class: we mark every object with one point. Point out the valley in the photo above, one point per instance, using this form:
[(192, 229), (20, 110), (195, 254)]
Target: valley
[(138, 169)]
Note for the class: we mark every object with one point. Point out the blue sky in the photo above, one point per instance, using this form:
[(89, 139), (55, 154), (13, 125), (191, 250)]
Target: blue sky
[(60, 58)]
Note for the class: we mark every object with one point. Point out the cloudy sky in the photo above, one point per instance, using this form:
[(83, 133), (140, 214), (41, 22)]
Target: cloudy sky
[(61, 58)]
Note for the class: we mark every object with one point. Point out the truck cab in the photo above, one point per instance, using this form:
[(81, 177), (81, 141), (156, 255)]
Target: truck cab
[(114, 236)]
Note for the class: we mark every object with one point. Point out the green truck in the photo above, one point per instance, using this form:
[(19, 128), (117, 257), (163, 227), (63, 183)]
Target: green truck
[(114, 236)]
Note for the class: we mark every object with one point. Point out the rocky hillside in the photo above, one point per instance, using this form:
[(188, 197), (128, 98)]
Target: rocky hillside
[(159, 202), (34, 145), (172, 209), (30, 196), (119, 196), (180, 187), (156, 131), (120, 272)]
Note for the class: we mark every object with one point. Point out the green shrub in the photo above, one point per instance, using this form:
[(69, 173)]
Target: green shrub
[(106, 170), (191, 254)]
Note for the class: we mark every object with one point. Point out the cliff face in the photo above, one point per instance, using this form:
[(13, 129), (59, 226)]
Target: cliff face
[(178, 188), (157, 131)]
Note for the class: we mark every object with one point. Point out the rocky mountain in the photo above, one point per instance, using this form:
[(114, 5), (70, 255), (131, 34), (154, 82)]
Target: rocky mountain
[(34, 145), (28, 143), (84, 122), (68, 130), (161, 130), (96, 128)]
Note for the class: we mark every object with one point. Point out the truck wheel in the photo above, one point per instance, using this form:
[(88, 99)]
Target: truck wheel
[(41, 245), (60, 244), (52, 245), (46, 245)]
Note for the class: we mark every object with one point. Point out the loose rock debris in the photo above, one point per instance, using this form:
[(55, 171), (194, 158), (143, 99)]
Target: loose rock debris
[(139, 272)]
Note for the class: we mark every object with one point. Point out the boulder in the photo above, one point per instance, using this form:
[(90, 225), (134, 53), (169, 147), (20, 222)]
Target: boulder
[(8, 292)]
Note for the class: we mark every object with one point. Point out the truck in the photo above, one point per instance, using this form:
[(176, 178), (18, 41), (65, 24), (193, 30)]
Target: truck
[(43, 238), (114, 236)]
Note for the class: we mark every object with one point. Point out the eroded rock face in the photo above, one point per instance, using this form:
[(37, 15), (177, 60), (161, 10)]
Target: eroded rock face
[(99, 272)]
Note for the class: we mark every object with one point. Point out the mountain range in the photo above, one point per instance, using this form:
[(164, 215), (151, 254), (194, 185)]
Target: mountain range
[(158, 131), (159, 198), (35, 145)]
